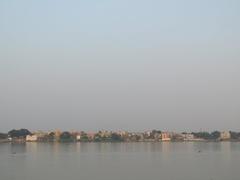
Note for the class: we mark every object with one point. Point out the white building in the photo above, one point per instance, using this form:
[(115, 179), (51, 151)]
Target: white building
[(165, 136), (31, 138), (188, 137), (225, 135), (78, 137)]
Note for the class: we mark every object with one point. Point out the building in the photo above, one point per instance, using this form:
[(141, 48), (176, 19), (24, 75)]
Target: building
[(157, 136), (123, 133), (57, 134), (90, 136), (148, 133), (105, 133), (165, 136), (31, 138), (225, 135), (188, 137), (78, 137)]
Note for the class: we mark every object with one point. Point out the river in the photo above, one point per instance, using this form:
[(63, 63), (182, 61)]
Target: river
[(120, 161)]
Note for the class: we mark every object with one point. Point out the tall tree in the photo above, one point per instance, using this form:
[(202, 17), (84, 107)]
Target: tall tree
[(19, 133)]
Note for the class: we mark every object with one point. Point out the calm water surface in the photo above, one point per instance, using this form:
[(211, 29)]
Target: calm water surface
[(120, 161)]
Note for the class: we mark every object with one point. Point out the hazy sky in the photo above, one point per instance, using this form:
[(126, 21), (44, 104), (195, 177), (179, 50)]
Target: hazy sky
[(128, 64)]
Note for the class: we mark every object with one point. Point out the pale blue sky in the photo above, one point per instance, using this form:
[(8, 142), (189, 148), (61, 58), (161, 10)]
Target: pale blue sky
[(120, 64)]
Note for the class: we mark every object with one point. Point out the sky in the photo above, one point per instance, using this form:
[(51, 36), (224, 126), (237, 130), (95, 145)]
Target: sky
[(120, 65)]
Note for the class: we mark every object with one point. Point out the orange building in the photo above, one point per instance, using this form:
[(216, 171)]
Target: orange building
[(165, 136)]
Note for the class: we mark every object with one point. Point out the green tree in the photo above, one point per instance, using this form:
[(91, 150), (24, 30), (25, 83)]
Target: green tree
[(3, 136), (19, 133), (203, 135), (235, 135), (215, 135), (66, 136), (84, 137), (116, 137), (97, 137)]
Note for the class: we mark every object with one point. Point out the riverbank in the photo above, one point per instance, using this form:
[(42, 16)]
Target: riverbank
[(4, 140), (23, 141)]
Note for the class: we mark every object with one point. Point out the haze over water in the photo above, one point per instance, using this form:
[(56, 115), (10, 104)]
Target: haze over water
[(120, 65), (118, 161)]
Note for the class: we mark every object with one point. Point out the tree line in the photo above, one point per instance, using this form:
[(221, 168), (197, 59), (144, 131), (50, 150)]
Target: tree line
[(112, 137)]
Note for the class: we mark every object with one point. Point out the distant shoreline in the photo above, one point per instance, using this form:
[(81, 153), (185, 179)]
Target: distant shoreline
[(24, 135), (62, 142)]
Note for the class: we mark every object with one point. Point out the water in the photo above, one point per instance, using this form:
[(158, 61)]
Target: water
[(120, 161)]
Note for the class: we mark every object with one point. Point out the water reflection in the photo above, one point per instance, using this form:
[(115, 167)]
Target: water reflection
[(18, 148), (147, 147), (89, 161)]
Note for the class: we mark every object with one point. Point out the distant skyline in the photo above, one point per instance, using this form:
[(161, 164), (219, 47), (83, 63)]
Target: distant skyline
[(120, 65)]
